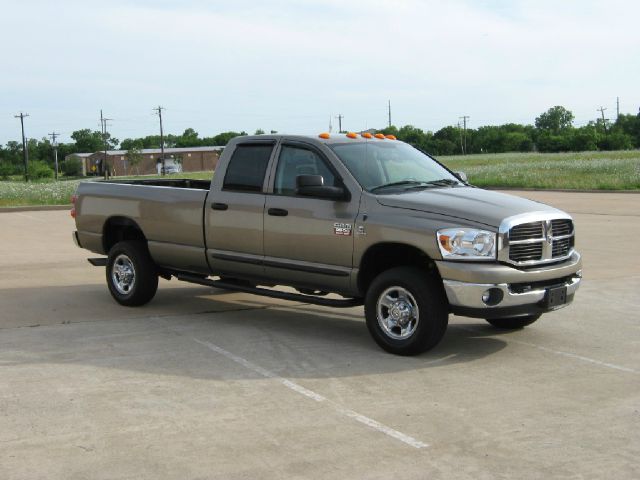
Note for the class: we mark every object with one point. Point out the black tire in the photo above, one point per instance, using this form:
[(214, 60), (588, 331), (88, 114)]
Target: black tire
[(513, 323), (131, 257), (432, 312)]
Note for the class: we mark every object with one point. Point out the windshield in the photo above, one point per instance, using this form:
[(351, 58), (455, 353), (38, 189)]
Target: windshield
[(393, 164)]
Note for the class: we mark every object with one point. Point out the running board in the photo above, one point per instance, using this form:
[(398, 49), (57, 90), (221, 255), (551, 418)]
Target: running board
[(98, 261), (296, 297)]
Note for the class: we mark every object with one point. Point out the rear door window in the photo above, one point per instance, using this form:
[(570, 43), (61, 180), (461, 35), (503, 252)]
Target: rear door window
[(247, 168)]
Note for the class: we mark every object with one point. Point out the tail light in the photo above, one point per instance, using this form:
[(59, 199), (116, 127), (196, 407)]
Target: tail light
[(74, 199)]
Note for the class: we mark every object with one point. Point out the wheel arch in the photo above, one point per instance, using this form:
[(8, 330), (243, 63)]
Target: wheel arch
[(385, 255), (117, 229)]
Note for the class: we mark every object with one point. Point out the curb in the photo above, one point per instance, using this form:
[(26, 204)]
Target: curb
[(34, 208)]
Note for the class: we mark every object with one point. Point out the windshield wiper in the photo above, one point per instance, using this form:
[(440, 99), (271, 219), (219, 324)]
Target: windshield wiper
[(411, 184), (401, 183), (443, 182)]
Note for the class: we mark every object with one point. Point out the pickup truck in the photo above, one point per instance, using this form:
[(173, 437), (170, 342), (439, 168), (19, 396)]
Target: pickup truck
[(366, 218)]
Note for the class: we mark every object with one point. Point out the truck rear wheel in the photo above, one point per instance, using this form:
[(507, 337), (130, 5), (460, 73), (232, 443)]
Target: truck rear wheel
[(513, 323), (405, 311), (132, 275)]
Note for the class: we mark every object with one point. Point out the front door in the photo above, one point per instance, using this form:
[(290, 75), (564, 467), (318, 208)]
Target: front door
[(307, 241)]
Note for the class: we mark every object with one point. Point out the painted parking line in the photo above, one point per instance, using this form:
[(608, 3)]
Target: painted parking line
[(370, 422)]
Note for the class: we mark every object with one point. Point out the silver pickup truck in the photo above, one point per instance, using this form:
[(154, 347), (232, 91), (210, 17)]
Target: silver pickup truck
[(368, 218)]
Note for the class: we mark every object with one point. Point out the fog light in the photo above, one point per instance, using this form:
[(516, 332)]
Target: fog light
[(492, 297)]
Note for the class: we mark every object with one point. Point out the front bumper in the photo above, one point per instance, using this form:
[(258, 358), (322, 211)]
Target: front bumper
[(513, 292)]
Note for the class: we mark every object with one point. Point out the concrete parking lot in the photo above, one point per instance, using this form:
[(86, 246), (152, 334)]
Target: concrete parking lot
[(208, 384)]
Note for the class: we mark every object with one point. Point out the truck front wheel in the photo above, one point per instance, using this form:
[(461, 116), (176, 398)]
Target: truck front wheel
[(406, 311), (132, 275), (513, 323)]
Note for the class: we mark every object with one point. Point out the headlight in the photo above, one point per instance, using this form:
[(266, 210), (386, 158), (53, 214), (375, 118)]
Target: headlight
[(467, 244)]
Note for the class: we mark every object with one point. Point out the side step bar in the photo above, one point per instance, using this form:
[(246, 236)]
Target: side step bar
[(297, 297)]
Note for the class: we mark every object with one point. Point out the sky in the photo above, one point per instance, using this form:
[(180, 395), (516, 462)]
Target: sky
[(293, 66)]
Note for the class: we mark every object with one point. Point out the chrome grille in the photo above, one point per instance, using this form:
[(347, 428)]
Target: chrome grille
[(526, 252), (561, 247), (527, 231), (536, 238), (561, 227)]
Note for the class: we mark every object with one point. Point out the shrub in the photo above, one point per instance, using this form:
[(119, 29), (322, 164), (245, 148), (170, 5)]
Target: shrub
[(72, 167), (6, 170), (39, 169)]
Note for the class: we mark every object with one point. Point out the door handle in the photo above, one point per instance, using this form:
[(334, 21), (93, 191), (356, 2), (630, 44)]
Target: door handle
[(219, 206), (278, 212)]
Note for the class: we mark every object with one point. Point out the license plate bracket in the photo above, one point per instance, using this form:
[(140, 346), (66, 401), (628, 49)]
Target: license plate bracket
[(556, 297)]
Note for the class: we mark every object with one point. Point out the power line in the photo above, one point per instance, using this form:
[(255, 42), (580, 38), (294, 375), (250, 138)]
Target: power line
[(159, 110), (25, 152), (53, 136)]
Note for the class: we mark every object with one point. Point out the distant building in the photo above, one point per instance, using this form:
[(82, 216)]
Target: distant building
[(83, 159), (192, 159)]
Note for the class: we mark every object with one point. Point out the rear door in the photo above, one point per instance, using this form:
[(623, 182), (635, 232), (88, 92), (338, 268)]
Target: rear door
[(308, 241), (234, 218)]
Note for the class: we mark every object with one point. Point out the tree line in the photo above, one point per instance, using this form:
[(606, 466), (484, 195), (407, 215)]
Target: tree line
[(552, 131)]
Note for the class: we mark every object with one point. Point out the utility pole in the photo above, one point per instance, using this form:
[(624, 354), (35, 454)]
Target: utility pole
[(159, 110), (53, 136), (25, 152), (461, 146), (604, 120), (105, 164), (330, 126), (464, 123), (389, 104), (617, 108), (340, 117)]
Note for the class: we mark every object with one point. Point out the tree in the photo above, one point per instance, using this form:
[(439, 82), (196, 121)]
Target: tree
[(134, 157), (259, 132), (88, 141), (555, 120)]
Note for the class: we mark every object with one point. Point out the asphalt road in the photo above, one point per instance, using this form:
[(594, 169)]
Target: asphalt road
[(208, 384)]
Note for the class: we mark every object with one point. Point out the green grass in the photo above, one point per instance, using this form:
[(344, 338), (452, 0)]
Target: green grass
[(51, 192), (571, 171), (619, 170)]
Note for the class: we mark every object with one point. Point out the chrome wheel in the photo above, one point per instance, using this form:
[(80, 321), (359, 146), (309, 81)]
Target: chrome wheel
[(397, 312), (123, 274)]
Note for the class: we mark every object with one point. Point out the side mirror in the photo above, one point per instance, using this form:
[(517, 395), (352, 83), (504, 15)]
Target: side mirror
[(462, 176), (313, 186)]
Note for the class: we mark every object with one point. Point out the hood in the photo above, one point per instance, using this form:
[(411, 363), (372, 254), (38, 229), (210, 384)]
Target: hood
[(467, 203)]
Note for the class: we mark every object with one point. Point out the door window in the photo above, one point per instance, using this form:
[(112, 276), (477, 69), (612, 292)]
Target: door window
[(296, 161), (247, 168)]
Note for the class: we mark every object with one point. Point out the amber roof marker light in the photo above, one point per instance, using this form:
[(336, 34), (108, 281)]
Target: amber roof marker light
[(380, 136), (390, 137), (324, 135), (366, 135), (352, 135)]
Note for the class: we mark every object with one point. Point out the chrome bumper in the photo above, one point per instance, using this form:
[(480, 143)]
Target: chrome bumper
[(469, 295)]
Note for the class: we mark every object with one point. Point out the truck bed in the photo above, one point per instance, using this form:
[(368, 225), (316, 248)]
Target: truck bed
[(169, 182)]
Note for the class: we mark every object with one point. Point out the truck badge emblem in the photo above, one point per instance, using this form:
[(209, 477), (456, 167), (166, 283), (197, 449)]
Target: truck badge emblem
[(342, 229)]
